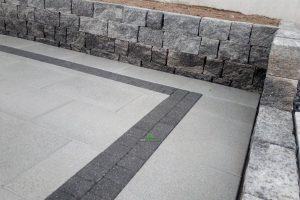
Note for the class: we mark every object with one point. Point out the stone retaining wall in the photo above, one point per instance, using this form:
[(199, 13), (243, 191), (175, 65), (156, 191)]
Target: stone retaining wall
[(229, 53), (272, 169)]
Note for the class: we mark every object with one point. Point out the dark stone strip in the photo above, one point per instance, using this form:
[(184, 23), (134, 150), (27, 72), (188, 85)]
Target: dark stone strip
[(90, 70), (107, 174)]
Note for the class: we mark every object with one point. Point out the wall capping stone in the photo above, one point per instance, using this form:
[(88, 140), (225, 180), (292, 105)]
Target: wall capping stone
[(70, 24)]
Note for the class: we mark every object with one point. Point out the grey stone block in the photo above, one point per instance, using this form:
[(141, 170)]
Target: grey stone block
[(130, 60), (249, 197), (120, 175), (182, 43), (271, 172), (213, 67), (16, 26), (127, 140), (192, 72), (93, 26), (83, 8), (47, 41), (181, 23), (131, 162), (75, 38), (243, 74), (106, 189), (144, 149), (259, 79), (154, 19), (275, 127), (140, 51), (214, 28), (92, 172), (63, 6), (159, 56), (69, 21), (106, 11), (240, 32), (104, 54), (135, 132), (221, 81), (135, 16), (259, 56), (61, 35), (8, 11), (35, 29), (47, 17), (36, 3), (2, 24), (77, 186), (105, 160), (279, 93), (177, 59), (117, 150), (285, 58), (122, 31), (26, 13), (14, 2), (58, 195), (209, 48), (262, 35), (234, 52), (100, 42), (150, 36), (159, 67), (49, 32), (121, 47)]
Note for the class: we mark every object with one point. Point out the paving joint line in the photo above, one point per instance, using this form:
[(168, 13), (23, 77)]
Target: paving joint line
[(109, 172)]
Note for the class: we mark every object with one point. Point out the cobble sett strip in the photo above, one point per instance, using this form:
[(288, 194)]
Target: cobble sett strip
[(134, 35), (106, 175)]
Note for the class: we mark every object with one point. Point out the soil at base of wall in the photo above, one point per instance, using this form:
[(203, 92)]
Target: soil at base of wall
[(201, 11)]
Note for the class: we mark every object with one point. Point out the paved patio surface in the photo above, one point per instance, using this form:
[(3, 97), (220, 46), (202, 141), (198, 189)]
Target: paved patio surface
[(54, 121)]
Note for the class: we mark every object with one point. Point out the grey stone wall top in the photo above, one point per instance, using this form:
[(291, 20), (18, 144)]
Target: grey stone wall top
[(214, 28), (107, 11)]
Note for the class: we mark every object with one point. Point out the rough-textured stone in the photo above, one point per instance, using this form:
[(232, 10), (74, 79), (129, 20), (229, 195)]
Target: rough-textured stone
[(234, 52), (181, 23), (106, 11), (222, 81), (69, 21), (35, 29), (121, 47), (140, 51), (240, 73), (47, 17), (75, 38), (272, 172), (93, 26), (122, 31), (159, 56), (284, 58), (213, 67), (154, 19), (275, 127), (150, 36), (100, 42), (36, 3), (193, 72), (279, 93), (249, 197), (135, 16), (159, 67), (49, 32), (59, 5), (214, 28), (8, 11), (259, 78), (104, 54), (182, 43), (130, 60), (16, 26), (2, 24), (61, 35), (240, 32), (15, 2), (82, 8), (262, 35), (209, 47), (26, 13), (259, 56), (177, 59)]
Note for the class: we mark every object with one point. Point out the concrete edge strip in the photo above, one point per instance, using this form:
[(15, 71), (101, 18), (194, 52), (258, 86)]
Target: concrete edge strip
[(107, 174)]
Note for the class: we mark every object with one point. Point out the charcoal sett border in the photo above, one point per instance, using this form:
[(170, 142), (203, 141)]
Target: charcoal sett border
[(239, 42), (107, 174)]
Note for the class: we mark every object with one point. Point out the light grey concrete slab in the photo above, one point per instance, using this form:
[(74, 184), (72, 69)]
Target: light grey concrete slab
[(101, 92), (38, 182), (32, 103), (167, 176), (23, 145), (15, 42), (7, 195), (7, 59)]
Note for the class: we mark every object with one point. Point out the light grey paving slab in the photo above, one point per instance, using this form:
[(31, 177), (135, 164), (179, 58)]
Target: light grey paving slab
[(7, 195), (24, 145), (15, 42), (21, 104), (167, 176), (7, 59), (38, 182), (102, 92)]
